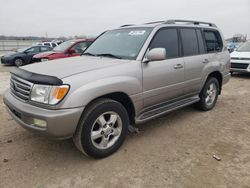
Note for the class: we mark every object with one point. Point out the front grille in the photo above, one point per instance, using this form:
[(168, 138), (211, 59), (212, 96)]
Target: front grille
[(239, 65), (2, 60), (20, 88), (240, 58), (35, 60)]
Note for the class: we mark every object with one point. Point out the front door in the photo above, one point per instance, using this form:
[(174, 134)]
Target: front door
[(163, 80)]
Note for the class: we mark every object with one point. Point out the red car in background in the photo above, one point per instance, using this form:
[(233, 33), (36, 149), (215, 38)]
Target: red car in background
[(68, 48)]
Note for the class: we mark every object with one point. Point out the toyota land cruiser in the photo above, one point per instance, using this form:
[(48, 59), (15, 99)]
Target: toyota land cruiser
[(127, 76)]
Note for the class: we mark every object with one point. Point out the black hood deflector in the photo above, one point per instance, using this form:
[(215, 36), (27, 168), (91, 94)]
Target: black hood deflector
[(36, 78)]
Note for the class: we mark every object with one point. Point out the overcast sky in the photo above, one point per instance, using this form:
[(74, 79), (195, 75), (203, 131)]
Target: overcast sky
[(91, 17)]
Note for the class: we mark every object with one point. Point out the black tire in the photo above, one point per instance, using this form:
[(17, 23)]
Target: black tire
[(19, 62), (202, 104), (82, 137)]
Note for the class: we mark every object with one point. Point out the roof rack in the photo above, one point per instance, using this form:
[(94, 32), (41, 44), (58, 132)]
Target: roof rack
[(190, 21), (155, 22), (176, 21)]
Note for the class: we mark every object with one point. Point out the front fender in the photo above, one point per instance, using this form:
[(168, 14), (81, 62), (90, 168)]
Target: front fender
[(92, 90)]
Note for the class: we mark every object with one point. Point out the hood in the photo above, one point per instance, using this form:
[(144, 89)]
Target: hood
[(45, 54), (238, 54), (62, 68), (11, 54)]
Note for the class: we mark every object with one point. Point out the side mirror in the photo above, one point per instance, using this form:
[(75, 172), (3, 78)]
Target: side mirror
[(156, 54), (71, 51)]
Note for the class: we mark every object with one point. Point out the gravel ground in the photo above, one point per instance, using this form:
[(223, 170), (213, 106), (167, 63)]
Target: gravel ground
[(175, 150)]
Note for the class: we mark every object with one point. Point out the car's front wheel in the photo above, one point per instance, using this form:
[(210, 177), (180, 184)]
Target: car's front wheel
[(209, 94), (102, 128), (18, 62)]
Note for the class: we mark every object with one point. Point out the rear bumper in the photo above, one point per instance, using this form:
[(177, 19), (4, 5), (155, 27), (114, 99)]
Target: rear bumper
[(61, 124)]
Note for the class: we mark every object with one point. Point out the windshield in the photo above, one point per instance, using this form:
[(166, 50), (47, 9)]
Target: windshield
[(123, 43), (65, 45), (244, 47)]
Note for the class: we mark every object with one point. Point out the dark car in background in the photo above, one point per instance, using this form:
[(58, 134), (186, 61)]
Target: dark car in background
[(23, 56), (68, 48)]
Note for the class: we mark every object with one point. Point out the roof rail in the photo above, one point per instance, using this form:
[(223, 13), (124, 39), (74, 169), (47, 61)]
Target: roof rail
[(190, 21), (155, 22), (126, 25)]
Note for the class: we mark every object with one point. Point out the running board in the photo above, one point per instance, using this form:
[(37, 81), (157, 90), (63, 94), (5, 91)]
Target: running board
[(164, 108)]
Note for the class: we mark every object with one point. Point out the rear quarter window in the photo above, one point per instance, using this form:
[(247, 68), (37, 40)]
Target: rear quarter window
[(213, 41)]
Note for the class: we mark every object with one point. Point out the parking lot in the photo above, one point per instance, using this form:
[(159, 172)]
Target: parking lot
[(175, 150)]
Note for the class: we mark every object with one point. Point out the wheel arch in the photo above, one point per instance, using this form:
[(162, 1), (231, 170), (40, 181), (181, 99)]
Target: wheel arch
[(218, 76), (122, 98)]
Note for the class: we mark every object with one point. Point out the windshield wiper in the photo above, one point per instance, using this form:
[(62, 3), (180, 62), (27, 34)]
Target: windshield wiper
[(109, 55), (87, 53)]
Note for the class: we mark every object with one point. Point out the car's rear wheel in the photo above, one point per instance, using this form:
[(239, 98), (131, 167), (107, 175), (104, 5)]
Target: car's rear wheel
[(102, 128), (209, 94), (18, 62)]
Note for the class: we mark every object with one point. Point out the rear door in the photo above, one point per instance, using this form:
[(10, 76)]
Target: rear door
[(195, 58), (163, 80)]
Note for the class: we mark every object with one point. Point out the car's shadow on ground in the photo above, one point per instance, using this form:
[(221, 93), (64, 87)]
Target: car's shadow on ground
[(241, 75)]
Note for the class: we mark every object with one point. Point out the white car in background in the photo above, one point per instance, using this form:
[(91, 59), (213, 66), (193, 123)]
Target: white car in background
[(52, 44), (240, 58)]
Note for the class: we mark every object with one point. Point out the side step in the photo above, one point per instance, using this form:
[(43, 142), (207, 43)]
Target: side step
[(154, 112)]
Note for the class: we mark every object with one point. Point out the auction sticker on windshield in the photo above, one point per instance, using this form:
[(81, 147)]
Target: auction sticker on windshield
[(139, 32)]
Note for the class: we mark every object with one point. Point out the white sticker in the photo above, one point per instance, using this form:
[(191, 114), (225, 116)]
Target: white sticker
[(140, 32)]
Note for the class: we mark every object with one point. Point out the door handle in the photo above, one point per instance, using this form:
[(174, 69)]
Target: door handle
[(178, 66), (205, 61)]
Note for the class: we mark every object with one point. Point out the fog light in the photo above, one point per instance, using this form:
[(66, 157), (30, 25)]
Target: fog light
[(40, 123)]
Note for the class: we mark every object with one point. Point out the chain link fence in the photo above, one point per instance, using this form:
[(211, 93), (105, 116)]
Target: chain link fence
[(12, 45)]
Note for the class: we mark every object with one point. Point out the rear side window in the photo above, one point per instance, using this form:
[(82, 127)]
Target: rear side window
[(213, 41), (189, 42), (168, 39)]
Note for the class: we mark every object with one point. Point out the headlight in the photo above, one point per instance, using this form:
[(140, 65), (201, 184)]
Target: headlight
[(48, 94)]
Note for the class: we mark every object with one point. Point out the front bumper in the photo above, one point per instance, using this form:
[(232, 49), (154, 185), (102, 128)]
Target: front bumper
[(6, 61), (61, 123), (239, 70), (240, 66)]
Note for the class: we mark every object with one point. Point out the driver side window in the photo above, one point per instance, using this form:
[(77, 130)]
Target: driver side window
[(80, 47), (168, 39), (33, 50)]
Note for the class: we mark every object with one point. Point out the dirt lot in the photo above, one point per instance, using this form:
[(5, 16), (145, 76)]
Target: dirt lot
[(173, 151)]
